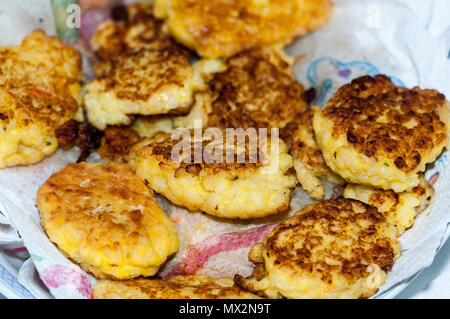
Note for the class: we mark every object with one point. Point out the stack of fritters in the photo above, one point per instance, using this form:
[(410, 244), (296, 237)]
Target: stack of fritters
[(338, 248), (141, 71), (375, 133), (378, 137), (253, 89), (372, 135)]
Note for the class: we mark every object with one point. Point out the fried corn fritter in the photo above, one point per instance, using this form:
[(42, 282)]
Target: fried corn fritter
[(152, 80), (256, 92), (141, 71), (222, 28), (255, 89), (308, 160), (136, 29), (104, 218), (399, 209), (252, 186), (375, 133), (204, 71), (38, 82), (258, 89), (177, 287), (338, 248)]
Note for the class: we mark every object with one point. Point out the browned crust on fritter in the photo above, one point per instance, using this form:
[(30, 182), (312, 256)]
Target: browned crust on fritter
[(332, 215), (110, 216), (162, 145), (38, 88), (253, 92), (287, 133), (185, 287), (357, 110), (381, 196), (137, 75), (117, 180), (63, 62), (133, 28), (224, 28), (49, 106), (86, 196), (116, 142)]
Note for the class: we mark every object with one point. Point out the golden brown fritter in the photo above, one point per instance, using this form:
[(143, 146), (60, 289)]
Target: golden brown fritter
[(255, 89), (177, 287), (105, 219), (116, 142), (203, 177), (399, 209), (258, 89), (308, 160), (204, 71), (222, 28), (152, 80), (254, 92), (338, 248), (375, 133), (38, 82), (136, 29), (141, 71)]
